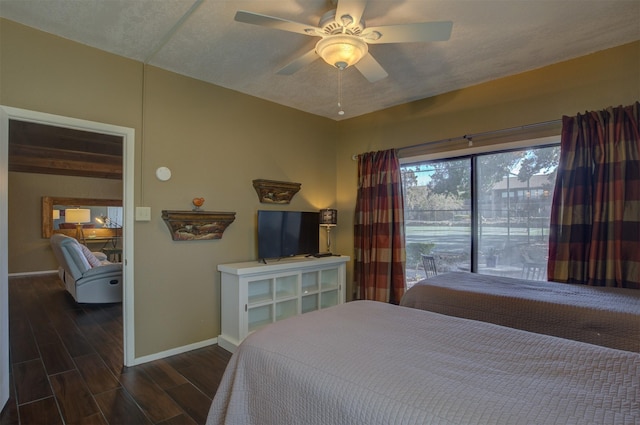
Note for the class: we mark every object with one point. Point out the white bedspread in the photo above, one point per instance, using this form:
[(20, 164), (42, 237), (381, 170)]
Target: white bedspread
[(370, 363)]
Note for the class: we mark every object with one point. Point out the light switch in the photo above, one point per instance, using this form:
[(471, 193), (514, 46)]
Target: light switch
[(143, 213)]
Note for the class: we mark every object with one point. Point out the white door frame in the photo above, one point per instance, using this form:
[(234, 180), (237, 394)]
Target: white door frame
[(128, 138)]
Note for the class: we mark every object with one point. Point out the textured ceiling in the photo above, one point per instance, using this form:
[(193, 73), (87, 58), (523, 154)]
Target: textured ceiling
[(200, 39)]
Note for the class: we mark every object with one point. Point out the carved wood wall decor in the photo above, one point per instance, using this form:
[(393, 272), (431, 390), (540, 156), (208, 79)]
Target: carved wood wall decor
[(275, 192), (197, 225)]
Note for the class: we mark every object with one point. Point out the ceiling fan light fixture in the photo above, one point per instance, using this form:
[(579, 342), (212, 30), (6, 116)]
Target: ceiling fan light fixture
[(341, 50)]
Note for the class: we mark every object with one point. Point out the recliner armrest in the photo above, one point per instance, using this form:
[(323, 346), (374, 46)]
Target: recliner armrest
[(108, 268)]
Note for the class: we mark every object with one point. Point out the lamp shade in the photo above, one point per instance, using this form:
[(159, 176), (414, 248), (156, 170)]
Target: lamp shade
[(106, 221), (77, 215), (328, 217), (56, 214), (341, 50)]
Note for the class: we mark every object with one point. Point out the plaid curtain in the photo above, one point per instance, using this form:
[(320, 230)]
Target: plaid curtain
[(595, 216), (379, 228)]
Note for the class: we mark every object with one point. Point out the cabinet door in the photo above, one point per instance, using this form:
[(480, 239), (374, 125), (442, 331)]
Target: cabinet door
[(329, 287), (310, 282), (259, 291), (309, 303), (329, 298), (329, 279), (286, 309), (259, 316), (286, 287), (259, 303)]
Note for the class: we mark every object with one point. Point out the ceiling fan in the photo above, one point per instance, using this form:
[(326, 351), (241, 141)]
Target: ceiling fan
[(344, 37)]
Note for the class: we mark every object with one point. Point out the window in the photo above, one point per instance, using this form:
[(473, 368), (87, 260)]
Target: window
[(486, 213), (437, 214)]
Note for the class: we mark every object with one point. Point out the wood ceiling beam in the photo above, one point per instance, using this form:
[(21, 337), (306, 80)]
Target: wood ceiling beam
[(44, 149), (31, 159), (47, 136)]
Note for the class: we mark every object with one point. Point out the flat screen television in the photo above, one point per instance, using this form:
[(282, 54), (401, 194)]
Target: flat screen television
[(287, 233)]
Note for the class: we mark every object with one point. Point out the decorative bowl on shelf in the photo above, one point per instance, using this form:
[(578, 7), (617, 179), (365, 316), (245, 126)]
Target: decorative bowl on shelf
[(197, 203)]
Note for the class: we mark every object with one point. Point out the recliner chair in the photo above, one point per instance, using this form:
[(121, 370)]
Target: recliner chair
[(87, 276)]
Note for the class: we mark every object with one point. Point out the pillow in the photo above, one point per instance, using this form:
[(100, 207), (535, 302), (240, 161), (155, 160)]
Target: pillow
[(100, 256), (92, 259), (76, 247)]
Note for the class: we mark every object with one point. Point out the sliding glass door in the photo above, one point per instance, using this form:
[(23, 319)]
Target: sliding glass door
[(500, 227), (437, 202), (514, 202)]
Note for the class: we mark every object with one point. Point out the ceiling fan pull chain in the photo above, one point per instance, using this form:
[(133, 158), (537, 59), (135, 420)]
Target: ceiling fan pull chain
[(340, 110)]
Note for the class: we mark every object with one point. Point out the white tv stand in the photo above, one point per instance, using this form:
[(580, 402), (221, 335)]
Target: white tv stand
[(255, 294)]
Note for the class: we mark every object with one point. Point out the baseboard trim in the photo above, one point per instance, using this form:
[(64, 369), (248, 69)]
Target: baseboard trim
[(174, 351), (32, 273), (228, 344)]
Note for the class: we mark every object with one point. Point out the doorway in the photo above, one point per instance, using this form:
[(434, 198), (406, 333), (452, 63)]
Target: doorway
[(128, 144)]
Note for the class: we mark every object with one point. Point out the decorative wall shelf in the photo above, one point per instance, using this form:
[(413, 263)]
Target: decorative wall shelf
[(197, 225), (275, 192)]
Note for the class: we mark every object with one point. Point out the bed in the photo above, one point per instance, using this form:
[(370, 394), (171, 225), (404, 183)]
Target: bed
[(367, 362), (604, 316)]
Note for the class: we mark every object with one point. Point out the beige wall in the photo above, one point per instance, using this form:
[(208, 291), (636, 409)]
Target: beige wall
[(217, 141), (594, 82), (28, 251)]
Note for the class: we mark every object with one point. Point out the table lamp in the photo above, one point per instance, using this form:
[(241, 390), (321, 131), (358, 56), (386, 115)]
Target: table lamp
[(109, 223), (78, 216), (328, 219)]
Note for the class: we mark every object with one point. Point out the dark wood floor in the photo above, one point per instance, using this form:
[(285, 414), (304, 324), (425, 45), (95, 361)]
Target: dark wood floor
[(67, 366)]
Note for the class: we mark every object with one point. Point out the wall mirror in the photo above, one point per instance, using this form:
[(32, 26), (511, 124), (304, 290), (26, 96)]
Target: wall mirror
[(104, 217)]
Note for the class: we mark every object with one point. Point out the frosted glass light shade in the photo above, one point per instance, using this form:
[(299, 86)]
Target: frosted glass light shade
[(341, 50), (77, 215)]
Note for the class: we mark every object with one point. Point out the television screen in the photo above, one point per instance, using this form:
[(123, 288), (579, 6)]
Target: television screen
[(287, 233)]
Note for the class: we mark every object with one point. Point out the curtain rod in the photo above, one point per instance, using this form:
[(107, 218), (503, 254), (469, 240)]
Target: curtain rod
[(486, 133)]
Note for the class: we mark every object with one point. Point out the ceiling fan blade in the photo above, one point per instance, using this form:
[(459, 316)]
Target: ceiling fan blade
[(406, 33), (371, 69), (300, 62), (353, 8), (277, 23)]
